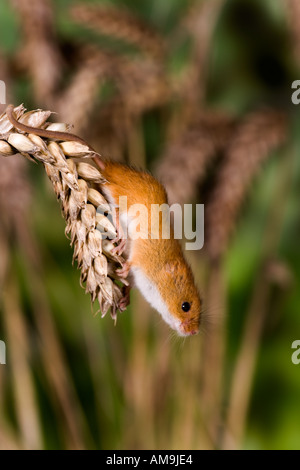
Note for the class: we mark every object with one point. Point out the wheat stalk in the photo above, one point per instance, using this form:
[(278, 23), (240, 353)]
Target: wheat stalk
[(79, 99), (74, 182), (186, 159), (200, 22), (143, 84), (259, 134), (293, 16), (39, 42), (121, 24)]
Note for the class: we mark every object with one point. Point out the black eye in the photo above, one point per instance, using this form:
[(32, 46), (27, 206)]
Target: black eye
[(186, 306)]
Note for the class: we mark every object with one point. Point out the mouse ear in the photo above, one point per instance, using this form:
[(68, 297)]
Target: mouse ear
[(171, 267)]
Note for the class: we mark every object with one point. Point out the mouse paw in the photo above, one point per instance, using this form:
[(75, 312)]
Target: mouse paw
[(120, 239), (119, 249), (125, 300), (124, 271)]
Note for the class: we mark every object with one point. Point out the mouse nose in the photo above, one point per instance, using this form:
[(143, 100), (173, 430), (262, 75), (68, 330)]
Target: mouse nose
[(188, 329)]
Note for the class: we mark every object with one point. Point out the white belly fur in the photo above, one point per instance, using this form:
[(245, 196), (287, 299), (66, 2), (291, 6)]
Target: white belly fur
[(152, 295)]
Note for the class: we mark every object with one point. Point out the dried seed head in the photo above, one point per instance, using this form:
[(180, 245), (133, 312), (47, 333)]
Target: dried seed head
[(89, 172), (53, 174), (5, 149), (70, 180), (107, 289), (73, 207), (36, 140), (117, 294), (22, 143), (104, 304), (81, 195), (105, 226), (42, 146), (95, 242), (98, 200), (91, 283), (100, 265), (88, 217), (58, 154), (5, 124), (75, 149), (72, 167), (58, 127), (35, 118)]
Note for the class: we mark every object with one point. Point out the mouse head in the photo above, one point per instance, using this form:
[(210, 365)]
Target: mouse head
[(182, 298)]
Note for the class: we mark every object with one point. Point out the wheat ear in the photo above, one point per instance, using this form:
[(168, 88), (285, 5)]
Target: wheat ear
[(74, 182)]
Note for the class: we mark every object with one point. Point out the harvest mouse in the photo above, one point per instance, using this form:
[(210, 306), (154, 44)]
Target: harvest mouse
[(157, 267)]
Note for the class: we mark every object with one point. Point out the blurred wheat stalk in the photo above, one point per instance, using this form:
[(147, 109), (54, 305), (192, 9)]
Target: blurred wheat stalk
[(207, 156)]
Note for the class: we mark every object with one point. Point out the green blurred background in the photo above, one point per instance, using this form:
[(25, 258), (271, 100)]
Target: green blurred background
[(74, 380)]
